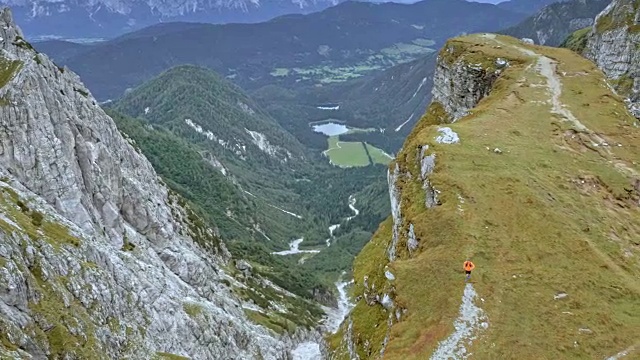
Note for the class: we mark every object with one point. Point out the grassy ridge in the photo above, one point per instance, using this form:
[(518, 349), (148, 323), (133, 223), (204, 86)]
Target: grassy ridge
[(552, 213)]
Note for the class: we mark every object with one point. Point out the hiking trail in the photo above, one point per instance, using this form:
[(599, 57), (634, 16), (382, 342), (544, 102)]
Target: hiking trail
[(547, 68), (470, 321)]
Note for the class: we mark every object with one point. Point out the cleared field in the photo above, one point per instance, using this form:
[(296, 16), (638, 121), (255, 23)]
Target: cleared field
[(351, 153), (346, 154), (378, 156)]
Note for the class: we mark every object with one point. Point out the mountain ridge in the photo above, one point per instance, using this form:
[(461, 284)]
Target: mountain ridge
[(520, 151), (107, 18), (312, 49)]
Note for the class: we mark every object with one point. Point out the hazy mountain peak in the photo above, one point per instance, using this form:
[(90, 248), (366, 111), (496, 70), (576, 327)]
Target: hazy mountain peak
[(108, 18)]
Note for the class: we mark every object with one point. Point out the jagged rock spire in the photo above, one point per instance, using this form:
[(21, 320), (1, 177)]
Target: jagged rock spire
[(9, 31), (8, 28)]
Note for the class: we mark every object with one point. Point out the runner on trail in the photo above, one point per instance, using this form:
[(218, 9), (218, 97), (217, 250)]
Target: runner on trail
[(468, 266)]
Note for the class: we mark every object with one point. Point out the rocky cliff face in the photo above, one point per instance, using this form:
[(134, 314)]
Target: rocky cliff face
[(97, 258), (461, 80), (516, 149), (614, 45)]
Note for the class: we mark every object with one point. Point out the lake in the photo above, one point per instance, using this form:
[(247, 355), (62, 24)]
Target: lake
[(331, 129)]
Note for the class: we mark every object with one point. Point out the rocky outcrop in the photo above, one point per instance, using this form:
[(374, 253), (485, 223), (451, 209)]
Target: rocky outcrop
[(460, 80), (396, 211), (97, 258), (614, 45)]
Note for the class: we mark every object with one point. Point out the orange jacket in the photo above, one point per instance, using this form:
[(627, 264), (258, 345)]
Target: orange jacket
[(468, 266)]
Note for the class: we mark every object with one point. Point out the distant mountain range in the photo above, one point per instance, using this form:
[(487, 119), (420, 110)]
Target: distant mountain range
[(110, 18), (86, 20), (526, 6), (338, 43)]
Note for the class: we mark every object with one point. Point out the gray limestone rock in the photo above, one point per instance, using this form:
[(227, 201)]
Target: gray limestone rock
[(396, 211), (459, 86), (113, 247), (613, 44)]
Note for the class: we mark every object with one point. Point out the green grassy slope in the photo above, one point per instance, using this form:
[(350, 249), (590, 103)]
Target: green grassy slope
[(8, 69), (557, 211), (577, 40)]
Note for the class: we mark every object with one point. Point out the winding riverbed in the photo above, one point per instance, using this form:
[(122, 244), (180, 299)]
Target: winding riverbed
[(294, 248), (335, 316), (356, 212), (352, 206)]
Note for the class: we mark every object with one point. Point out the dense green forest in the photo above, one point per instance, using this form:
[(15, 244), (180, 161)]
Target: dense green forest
[(323, 192), (256, 200)]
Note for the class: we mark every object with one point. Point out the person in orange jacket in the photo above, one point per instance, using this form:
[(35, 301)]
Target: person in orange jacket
[(468, 266)]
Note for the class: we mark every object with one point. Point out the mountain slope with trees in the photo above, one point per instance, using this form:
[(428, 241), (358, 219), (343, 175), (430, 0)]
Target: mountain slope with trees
[(551, 25), (261, 188)]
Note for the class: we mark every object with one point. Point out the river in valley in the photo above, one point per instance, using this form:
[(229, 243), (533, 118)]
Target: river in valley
[(310, 350), (335, 316), (294, 248)]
